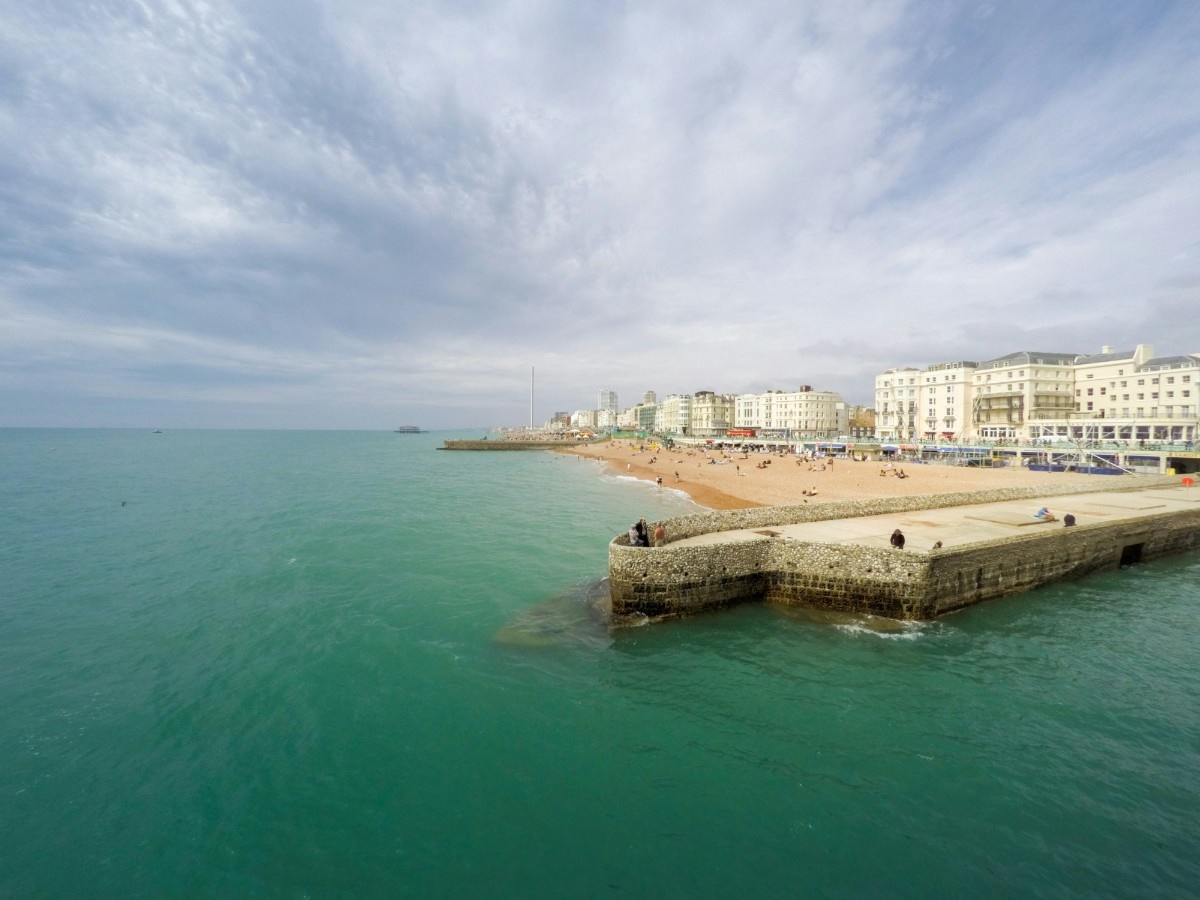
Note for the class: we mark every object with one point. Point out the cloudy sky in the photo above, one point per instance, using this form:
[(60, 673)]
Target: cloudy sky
[(287, 213)]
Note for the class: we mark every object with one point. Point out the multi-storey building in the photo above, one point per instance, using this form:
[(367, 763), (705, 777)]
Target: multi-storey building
[(584, 418), (798, 414), (862, 421), (897, 404), (673, 415), (607, 400), (1019, 390), (945, 400), (712, 414), (1129, 396)]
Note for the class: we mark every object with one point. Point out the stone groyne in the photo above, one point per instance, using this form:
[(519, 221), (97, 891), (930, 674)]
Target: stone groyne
[(868, 576)]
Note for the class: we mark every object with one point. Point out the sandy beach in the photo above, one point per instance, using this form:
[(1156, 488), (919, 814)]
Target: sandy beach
[(733, 480)]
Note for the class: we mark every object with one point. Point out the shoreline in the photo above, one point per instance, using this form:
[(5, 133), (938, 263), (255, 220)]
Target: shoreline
[(736, 481)]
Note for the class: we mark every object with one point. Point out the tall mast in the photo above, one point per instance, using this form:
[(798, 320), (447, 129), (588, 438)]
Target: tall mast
[(531, 398)]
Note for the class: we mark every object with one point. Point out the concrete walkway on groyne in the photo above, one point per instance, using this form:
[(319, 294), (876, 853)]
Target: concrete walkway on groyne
[(960, 525)]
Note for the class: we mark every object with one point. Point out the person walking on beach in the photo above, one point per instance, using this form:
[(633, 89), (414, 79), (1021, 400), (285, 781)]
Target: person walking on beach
[(898, 539), (660, 535)]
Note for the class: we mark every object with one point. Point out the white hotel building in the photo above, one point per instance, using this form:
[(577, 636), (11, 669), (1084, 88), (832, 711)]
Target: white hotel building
[(933, 403), (802, 413), (1125, 396)]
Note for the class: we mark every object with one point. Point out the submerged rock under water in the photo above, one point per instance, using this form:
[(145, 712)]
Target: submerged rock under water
[(582, 614)]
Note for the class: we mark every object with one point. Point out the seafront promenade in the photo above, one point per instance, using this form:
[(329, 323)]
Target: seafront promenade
[(839, 556)]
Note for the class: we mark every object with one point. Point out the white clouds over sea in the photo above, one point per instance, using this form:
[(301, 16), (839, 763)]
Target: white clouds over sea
[(350, 215)]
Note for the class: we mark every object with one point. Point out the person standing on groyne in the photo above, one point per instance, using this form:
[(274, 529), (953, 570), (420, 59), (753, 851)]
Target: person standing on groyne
[(898, 539)]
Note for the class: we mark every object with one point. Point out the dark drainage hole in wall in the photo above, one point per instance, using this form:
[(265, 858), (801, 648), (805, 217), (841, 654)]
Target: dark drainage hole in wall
[(1131, 555)]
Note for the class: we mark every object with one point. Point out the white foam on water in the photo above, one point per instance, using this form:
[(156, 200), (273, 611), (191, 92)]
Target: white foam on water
[(896, 630)]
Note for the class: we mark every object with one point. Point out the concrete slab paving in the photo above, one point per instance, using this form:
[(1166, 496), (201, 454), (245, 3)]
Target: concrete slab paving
[(966, 524)]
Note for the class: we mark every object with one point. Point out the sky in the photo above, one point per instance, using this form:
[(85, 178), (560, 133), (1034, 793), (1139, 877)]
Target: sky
[(355, 215)]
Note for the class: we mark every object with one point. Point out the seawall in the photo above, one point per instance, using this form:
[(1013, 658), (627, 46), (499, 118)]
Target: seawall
[(719, 559)]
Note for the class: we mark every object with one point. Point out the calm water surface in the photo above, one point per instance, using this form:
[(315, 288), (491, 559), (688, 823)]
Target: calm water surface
[(344, 664)]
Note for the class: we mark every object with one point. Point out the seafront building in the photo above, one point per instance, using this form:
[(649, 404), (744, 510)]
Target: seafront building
[(1113, 396), (933, 403), (803, 413), (712, 414), (606, 399), (1129, 396), (862, 422), (1015, 391), (637, 418), (795, 415), (896, 404), (674, 415), (583, 418)]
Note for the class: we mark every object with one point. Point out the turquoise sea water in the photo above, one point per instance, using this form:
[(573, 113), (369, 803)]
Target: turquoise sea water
[(317, 664)]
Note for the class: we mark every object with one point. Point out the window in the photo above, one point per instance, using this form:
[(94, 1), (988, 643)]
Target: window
[(1089, 392), (1170, 379), (1089, 375)]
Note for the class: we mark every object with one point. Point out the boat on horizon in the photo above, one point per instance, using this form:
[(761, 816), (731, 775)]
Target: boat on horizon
[(408, 429)]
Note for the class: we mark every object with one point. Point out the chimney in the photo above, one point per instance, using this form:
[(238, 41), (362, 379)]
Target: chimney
[(1107, 349)]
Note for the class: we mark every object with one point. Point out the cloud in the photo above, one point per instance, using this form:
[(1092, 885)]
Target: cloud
[(330, 214)]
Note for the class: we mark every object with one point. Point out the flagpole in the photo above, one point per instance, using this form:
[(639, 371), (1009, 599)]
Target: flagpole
[(531, 398)]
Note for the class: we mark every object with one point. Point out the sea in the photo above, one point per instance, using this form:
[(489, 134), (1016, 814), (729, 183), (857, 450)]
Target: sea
[(348, 664)]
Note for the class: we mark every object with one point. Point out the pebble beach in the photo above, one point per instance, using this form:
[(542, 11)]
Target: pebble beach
[(734, 480)]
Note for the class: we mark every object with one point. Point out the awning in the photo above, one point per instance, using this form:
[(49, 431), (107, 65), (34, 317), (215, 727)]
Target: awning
[(889, 447)]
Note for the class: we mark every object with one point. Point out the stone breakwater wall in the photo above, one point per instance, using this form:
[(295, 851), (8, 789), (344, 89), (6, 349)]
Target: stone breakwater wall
[(675, 581)]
